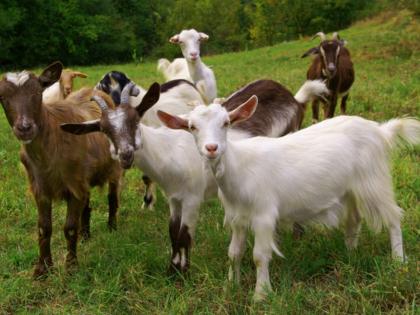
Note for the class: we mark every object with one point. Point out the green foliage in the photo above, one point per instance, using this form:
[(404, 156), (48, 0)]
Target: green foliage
[(79, 32), (124, 272)]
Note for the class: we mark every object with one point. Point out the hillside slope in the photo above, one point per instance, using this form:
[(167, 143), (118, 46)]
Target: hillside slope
[(125, 272)]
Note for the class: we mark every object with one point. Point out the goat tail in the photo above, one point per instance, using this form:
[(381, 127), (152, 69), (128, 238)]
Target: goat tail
[(310, 90), (163, 64), (407, 129)]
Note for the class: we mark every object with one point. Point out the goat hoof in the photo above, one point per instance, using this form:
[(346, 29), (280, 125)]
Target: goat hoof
[(85, 235), (71, 264), (174, 269), (41, 270), (112, 226), (148, 202)]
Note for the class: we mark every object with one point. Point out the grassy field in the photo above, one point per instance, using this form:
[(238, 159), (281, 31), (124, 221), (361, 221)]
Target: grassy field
[(125, 272)]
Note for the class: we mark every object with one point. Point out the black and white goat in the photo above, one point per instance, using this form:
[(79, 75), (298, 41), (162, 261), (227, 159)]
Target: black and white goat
[(176, 96)]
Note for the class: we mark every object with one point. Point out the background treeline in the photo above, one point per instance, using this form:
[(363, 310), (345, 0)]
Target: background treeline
[(83, 32)]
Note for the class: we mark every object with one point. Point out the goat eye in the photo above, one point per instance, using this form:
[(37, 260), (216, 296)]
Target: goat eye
[(193, 128), (226, 124)]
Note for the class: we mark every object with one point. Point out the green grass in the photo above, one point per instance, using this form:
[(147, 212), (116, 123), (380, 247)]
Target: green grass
[(125, 272)]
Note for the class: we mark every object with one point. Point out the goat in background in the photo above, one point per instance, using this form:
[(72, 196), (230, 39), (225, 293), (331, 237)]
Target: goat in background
[(332, 64)]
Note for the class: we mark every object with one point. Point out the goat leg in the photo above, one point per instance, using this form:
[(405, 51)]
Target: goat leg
[(343, 104), (150, 194), (44, 237), (113, 202), (174, 227), (315, 111), (71, 228), (85, 221), (330, 109)]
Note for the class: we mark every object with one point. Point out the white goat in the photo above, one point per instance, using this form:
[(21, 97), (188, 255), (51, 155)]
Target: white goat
[(61, 89), (337, 169), (171, 159), (201, 75)]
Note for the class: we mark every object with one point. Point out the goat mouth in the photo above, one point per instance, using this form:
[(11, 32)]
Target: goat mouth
[(25, 137), (212, 156), (126, 164)]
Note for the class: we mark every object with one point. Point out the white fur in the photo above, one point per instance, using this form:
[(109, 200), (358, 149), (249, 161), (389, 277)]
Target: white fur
[(310, 89), (177, 69), (178, 100), (17, 78), (52, 94), (333, 171), (199, 73)]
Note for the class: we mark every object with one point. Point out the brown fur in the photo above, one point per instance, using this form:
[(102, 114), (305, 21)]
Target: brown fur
[(340, 82), (60, 166), (275, 103)]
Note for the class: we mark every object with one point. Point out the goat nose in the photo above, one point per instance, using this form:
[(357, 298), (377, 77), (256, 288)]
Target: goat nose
[(194, 55), (211, 148), (331, 67), (24, 127)]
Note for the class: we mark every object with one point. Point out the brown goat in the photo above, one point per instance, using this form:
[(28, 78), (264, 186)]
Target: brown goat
[(278, 103), (60, 166), (332, 64), (61, 89)]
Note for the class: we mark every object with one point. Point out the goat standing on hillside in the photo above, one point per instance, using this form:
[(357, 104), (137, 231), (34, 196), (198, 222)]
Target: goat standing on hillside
[(332, 63), (201, 75), (268, 181), (60, 166)]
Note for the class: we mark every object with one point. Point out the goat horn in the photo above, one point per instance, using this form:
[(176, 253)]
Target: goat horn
[(129, 90), (101, 103), (335, 36), (321, 35)]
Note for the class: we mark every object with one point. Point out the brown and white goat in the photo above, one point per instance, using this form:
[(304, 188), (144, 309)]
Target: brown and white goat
[(332, 64), (60, 166), (61, 89)]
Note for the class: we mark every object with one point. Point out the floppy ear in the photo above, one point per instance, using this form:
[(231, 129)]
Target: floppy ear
[(51, 74), (203, 36), (171, 121), (312, 51), (82, 128), (150, 99), (174, 39), (79, 74), (244, 111)]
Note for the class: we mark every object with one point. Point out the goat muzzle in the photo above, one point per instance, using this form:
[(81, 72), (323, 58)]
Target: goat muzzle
[(126, 159)]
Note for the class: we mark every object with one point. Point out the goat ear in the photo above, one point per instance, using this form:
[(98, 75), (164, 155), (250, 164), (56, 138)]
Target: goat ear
[(82, 128), (171, 121), (342, 42), (150, 99), (79, 74), (174, 39), (312, 51), (203, 36), (51, 74), (244, 111)]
